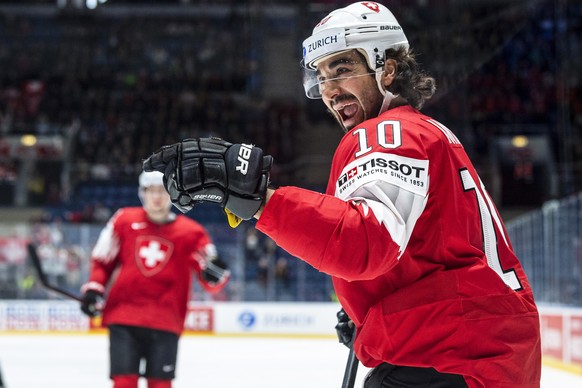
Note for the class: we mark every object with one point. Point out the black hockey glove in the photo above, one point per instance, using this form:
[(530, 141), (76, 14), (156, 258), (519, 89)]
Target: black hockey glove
[(92, 302), (345, 328), (213, 170), (216, 272)]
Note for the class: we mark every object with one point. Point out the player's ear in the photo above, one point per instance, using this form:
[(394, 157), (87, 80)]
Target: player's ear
[(389, 73)]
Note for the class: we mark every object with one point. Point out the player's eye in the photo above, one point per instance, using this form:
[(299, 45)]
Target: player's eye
[(339, 72), (343, 72)]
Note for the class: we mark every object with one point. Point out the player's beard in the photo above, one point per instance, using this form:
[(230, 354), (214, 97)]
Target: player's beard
[(370, 104)]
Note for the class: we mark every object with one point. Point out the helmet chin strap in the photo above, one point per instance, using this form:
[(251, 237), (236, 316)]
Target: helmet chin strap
[(388, 96)]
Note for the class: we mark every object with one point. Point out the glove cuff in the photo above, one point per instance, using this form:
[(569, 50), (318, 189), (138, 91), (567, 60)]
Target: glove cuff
[(244, 208), (93, 286)]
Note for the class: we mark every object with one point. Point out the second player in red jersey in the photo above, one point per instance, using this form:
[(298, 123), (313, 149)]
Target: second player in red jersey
[(143, 262)]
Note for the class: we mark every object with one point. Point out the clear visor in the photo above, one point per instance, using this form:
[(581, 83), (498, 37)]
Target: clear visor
[(310, 83), (315, 82)]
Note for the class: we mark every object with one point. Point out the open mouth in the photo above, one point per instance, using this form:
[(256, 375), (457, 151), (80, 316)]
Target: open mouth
[(347, 111)]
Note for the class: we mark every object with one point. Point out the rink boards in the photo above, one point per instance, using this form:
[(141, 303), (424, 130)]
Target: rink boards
[(561, 327)]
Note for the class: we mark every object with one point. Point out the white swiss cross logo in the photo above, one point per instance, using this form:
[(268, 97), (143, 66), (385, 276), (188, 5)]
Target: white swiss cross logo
[(373, 6), (152, 254)]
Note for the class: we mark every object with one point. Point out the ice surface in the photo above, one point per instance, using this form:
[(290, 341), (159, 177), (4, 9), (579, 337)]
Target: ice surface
[(81, 361)]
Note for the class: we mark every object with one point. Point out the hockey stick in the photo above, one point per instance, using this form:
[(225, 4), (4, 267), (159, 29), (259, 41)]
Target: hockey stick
[(351, 369), (43, 278), (1, 381)]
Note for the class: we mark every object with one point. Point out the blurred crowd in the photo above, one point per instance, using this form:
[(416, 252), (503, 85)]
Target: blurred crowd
[(121, 88), (117, 88)]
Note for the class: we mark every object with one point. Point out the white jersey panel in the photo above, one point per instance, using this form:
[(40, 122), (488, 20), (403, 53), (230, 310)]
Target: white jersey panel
[(394, 187), (107, 246)]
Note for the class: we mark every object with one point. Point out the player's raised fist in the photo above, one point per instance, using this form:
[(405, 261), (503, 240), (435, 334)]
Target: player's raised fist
[(213, 170)]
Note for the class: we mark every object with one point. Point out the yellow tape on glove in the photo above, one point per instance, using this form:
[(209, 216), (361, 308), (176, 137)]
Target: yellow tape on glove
[(233, 220)]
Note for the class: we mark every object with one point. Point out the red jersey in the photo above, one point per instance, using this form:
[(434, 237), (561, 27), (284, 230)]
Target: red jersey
[(419, 256), (150, 268)]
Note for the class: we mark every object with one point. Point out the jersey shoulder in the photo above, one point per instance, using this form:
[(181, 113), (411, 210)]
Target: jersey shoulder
[(429, 129), (128, 215), (128, 218)]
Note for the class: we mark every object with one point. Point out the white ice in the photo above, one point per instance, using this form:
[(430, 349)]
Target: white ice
[(81, 361)]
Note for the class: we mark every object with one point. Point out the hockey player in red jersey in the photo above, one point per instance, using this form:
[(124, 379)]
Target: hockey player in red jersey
[(143, 261), (419, 255)]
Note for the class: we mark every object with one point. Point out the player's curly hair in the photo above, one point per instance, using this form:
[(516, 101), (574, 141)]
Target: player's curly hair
[(411, 82)]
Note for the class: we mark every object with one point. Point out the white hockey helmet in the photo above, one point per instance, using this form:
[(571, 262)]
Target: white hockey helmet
[(148, 179), (366, 26)]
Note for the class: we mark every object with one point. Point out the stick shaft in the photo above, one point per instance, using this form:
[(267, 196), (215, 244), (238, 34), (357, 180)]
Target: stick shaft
[(32, 253), (1, 381), (351, 370)]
